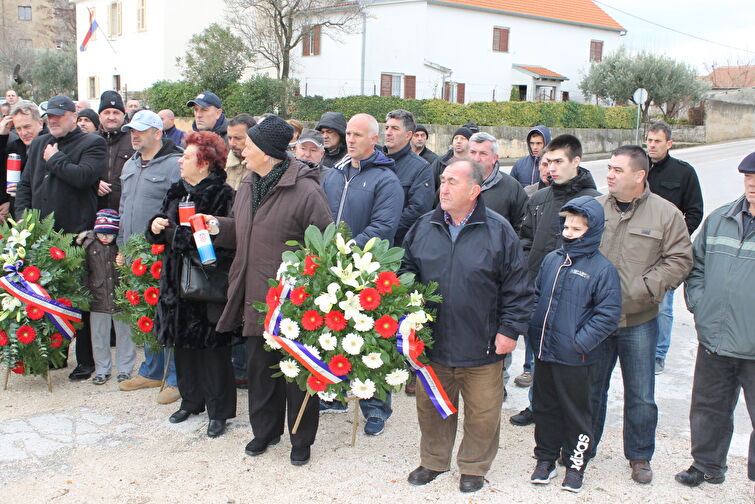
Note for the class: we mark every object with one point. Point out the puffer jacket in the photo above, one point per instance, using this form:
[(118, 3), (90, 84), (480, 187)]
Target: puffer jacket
[(482, 277), (651, 250), (417, 182), (526, 169), (119, 151), (717, 288), (578, 294), (541, 227), (369, 199)]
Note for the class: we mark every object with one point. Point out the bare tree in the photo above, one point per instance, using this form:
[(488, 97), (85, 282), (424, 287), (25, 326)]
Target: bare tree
[(273, 28)]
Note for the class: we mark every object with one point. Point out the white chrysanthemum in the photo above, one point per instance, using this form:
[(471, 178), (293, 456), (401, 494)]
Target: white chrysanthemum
[(363, 322), (350, 306), (326, 396), (363, 389), (327, 341), (289, 328), (397, 377), (270, 341), (372, 360), (326, 300), (290, 368), (315, 352), (352, 343), (416, 299)]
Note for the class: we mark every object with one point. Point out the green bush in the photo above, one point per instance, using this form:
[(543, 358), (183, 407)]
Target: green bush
[(171, 95)]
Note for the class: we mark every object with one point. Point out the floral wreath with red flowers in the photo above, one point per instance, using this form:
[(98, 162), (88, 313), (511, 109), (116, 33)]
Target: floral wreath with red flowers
[(42, 294), (138, 290), (337, 311)]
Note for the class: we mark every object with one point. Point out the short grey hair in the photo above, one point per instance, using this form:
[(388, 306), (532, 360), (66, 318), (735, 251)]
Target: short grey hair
[(481, 136), (477, 174), (406, 118), (26, 107), (659, 125)]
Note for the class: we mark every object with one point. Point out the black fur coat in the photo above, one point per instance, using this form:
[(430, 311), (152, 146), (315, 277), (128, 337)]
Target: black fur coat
[(181, 323)]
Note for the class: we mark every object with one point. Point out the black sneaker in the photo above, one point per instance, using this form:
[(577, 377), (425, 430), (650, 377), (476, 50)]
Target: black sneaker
[(693, 476), (572, 481), (523, 418), (544, 472)]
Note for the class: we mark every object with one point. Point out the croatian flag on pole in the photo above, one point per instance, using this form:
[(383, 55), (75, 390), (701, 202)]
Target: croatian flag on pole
[(92, 26)]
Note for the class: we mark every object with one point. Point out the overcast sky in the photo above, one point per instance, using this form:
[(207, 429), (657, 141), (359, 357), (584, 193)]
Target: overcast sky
[(728, 22)]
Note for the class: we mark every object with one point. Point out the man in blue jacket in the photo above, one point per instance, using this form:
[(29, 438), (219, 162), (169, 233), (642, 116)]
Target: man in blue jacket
[(475, 256), (525, 170), (578, 295)]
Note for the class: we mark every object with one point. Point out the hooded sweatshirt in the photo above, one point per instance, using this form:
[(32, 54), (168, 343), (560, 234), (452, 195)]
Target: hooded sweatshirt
[(335, 121), (526, 169)]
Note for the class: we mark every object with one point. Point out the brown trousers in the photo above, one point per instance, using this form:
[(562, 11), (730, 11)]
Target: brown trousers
[(482, 391)]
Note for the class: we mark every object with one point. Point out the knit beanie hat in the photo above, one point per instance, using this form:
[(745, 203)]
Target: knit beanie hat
[(462, 131), (92, 116), (111, 99), (272, 136), (421, 127), (107, 221)]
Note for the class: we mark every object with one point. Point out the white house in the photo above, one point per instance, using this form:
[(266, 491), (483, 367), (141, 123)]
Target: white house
[(461, 50)]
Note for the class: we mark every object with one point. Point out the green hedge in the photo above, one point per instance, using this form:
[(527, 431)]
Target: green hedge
[(262, 94)]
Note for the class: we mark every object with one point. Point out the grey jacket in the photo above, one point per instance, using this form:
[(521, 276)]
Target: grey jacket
[(718, 289), (143, 189)]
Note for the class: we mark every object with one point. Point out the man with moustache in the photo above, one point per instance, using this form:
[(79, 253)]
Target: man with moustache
[(235, 168), (112, 118)]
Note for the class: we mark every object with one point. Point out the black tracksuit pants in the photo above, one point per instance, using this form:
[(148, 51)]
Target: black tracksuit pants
[(205, 379), (272, 401), (562, 409)]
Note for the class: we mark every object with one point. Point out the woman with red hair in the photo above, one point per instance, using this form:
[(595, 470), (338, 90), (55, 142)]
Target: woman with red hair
[(203, 356)]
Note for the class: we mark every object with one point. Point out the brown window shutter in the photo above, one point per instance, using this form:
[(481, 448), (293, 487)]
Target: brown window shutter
[(447, 91), (410, 86), (596, 50), (496, 39), (305, 41), (460, 93), (504, 40), (386, 84), (316, 40)]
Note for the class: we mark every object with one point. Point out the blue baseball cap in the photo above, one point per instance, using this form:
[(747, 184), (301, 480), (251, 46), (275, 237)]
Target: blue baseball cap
[(144, 120), (205, 99)]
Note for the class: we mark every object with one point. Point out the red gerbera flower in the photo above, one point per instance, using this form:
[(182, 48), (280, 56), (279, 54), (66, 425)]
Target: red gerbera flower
[(157, 249), (156, 269), (369, 298), (316, 385), (19, 368), (339, 365), (31, 274), (386, 326), (57, 254), (311, 320), (26, 334), (34, 312), (3, 338), (133, 297), (298, 295), (385, 282), (273, 296), (310, 265), (151, 294), (145, 324), (56, 340), (64, 301), (137, 268), (335, 320)]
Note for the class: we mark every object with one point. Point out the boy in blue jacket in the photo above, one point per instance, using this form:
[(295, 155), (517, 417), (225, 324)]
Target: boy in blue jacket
[(578, 305)]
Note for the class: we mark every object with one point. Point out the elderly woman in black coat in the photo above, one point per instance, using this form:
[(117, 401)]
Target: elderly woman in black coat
[(203, 356)]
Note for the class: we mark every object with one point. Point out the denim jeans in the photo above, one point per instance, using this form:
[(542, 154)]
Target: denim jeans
[(529, 356), (375, 408), (238, 358), (665, 323), (634, 347), (153, 366)]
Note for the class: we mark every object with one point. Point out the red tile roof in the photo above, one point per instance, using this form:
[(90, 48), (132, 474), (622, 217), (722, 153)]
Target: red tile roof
[(728, 77), (583, 12), (542, 72)]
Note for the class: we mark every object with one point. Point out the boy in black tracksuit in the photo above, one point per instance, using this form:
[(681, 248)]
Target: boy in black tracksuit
[(579, 305)]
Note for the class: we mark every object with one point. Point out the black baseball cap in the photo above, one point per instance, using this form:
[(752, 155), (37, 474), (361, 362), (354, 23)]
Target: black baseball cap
[(205, 99), (59, 105)]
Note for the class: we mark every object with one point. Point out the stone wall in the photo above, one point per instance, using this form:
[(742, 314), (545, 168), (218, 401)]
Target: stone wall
[(730, 115)]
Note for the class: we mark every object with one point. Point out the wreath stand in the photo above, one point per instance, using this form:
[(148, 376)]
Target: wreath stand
[(354, 424), (47, 378)]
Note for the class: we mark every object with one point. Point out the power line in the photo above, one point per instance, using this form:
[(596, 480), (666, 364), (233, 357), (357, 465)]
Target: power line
[(673, 29)]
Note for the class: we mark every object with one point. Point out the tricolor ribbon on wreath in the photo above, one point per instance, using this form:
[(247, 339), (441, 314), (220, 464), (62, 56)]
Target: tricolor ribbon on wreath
[(31, 293)]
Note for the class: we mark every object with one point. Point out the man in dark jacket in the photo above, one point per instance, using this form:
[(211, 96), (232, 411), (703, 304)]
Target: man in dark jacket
[(412, 171), (364, 192), (476, 258), (419, 144), (676, 181), (502, 193), (459, 150), (169, 127), (525, 169), (119, 150), (332, 125), (208, 114), (578, 294), (541, 225)]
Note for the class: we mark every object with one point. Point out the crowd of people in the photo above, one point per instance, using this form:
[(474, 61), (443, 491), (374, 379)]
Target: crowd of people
[(586, 278)]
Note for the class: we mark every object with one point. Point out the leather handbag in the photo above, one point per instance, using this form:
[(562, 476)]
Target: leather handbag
[(207, 284)]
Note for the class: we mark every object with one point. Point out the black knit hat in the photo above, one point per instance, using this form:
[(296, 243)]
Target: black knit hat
[(272, 136), (92, 116), (111, 99), (421, 127), (462, 131)]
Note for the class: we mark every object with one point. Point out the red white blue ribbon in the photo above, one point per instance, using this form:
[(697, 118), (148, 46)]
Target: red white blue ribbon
[(298, 351), (425, 373), (31, 293), (274, 316)]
